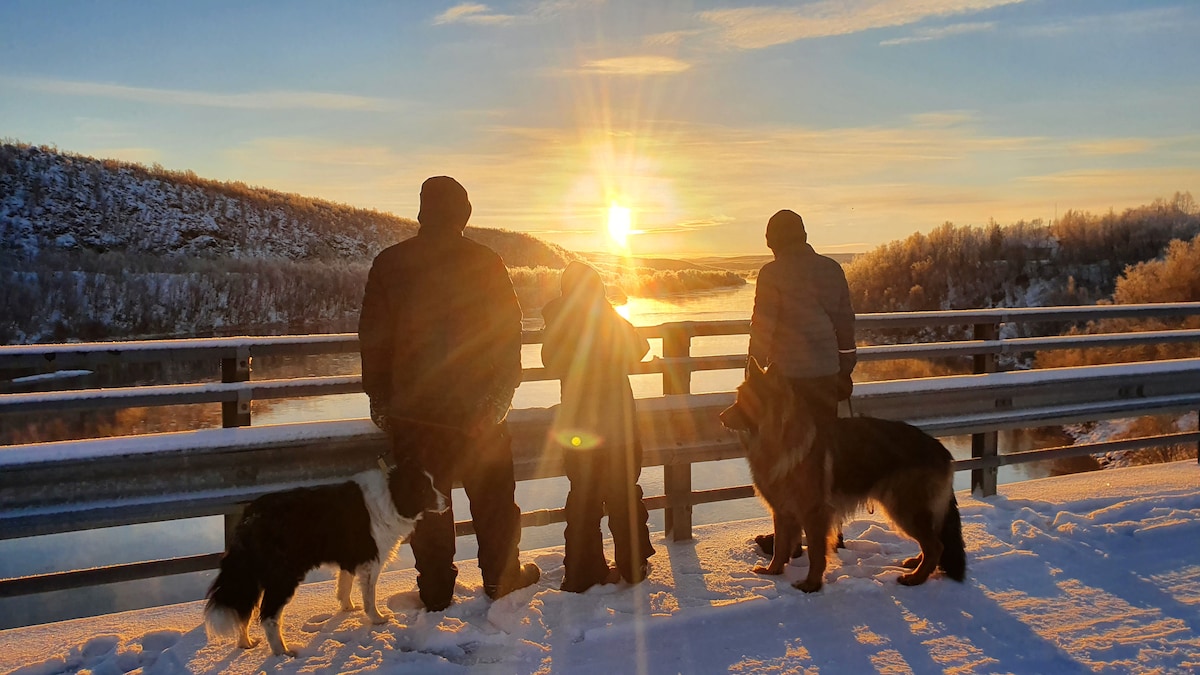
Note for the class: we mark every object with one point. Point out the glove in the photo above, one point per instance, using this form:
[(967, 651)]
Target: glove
[(845, 385), (379, 416)]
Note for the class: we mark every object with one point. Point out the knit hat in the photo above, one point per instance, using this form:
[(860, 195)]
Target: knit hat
[(785, 229), (444, 204)]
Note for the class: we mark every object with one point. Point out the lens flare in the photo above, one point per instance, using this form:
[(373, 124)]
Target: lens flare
[(574, 439)]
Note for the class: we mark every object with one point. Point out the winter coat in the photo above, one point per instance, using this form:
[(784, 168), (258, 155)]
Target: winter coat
[(803, 321), (440, 329), (591, 349)]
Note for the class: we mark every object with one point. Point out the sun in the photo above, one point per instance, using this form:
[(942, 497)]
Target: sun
[(620, 224)]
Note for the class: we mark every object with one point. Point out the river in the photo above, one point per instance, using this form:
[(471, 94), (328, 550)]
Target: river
[(203, 535)]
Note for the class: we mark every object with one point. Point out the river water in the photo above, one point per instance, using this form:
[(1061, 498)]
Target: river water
[(77, 550)]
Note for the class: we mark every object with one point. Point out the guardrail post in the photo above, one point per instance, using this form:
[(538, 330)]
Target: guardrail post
[(677, 344), (677, 478), (236, 369), (677, 484), (235, 414), (985, 445)]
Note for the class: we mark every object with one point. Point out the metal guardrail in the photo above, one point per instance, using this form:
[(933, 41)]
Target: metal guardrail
[(101, 482)]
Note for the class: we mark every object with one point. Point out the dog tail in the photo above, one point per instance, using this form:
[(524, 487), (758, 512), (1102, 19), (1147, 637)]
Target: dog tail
[(232, 597), (954, 551)]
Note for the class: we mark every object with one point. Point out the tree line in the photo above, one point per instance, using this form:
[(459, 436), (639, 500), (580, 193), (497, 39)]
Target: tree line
[(1076, 259)]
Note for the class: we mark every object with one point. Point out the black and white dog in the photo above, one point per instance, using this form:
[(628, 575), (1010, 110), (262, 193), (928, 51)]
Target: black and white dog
[(356, 525)]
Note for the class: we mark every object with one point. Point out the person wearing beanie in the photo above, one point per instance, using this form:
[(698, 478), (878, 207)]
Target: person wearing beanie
[(440, 340), (803, 325), (592, 349)]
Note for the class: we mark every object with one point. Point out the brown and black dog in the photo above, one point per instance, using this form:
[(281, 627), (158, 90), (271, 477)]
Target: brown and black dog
[(810, 489)]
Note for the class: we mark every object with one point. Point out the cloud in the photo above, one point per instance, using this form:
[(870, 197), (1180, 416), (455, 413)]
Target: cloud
[(760, 27), (480, 14), (669, 39), (474, 13), (1115, 146), (635, 65), (259, 100), (937, 33)]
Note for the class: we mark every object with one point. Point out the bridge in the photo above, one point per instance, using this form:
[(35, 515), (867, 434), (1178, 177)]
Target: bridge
[(74, 485)]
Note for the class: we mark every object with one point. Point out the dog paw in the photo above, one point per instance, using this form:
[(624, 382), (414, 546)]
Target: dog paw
[(380, 618), (766, 570), (910, 580), (350, 607), (248, 643), (911, 563), (807, 586)]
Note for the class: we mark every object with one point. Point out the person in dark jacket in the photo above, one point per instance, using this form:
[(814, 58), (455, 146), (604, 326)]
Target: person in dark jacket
[(591, 349), (803, 324), (440, 338)]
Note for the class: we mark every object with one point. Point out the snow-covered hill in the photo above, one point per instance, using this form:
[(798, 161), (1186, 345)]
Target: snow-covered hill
[(52, 200), (55, 201)]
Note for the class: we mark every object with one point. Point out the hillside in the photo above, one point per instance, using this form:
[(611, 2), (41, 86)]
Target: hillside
[(1075, 260), (52, 201)]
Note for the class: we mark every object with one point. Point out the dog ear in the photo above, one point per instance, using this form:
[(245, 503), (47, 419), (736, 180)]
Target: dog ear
[(752, 367)]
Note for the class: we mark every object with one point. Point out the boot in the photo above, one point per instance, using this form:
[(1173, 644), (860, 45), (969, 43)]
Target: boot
[(527, 575)]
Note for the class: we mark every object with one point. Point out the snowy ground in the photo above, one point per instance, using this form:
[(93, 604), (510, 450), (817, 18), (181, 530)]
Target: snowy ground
[(1083, 573)]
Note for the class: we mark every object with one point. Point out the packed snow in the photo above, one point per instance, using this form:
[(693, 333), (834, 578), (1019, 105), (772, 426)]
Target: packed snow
[(1092, 572)]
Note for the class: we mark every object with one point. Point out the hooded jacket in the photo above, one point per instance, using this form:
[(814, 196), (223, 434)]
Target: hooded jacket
[(591, 349)]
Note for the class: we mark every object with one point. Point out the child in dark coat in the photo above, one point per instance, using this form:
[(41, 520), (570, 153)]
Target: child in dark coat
[(591, 349)]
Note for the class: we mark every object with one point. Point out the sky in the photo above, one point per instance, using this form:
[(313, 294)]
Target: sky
[(696, 120), (1092, 572)]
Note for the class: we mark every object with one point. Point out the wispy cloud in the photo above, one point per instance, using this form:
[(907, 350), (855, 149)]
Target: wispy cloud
[(481, 14), (760, 27), (258, 100), (939, 32), (474, 13), (670, 38), (1115, 146), (636, 65)]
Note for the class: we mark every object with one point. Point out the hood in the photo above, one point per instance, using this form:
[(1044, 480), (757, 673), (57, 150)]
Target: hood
[(580, 280)]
